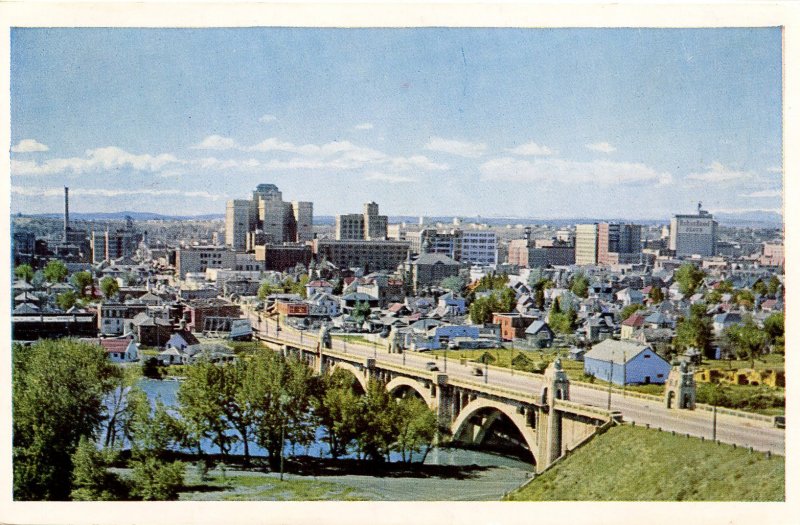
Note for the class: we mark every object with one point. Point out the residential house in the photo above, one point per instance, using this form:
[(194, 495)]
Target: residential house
[(625, 362), (631, 324), (539, 334), (512, 324), (725, 320)]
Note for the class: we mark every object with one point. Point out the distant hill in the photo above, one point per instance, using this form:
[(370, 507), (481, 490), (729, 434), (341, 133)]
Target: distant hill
[(135, 215), (637, 464)]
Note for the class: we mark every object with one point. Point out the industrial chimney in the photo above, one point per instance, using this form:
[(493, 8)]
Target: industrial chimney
[(66, 215)]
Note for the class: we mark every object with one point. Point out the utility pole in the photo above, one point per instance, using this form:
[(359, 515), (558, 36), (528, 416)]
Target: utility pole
[(610, 377)]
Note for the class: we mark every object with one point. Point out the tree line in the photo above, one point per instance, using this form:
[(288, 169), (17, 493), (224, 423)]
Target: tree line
[(75, 415)]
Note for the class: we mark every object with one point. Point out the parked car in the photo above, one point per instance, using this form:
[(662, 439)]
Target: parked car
[(432, 366)]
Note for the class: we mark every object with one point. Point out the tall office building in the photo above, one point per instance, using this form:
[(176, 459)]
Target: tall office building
[(304, 219), (693, 234), (368, 226), (266, 218), (239, 221), (586, 240)]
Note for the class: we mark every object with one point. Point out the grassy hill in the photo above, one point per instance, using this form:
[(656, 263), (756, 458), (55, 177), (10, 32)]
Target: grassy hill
[(636, 464)]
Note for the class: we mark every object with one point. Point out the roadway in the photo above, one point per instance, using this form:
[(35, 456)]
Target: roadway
[(698, 423)]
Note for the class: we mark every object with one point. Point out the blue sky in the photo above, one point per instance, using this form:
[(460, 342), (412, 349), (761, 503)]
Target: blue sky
[(548, 123)]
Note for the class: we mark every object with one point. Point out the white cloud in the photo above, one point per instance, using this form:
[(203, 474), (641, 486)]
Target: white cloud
[(602, 147), (763, 193), (363, 126), (97, 192), (388, 177), (567, 171), (775, 169), (267, 118), (719, 173), (748, 210), (214, 163), (29, 146), (107, 158), (531, 149), (216, 142), (457, 147)]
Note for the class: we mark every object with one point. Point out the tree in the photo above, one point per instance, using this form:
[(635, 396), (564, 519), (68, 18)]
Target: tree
[(24, 272), (58, 392), (580, 285), (268, 288), (157, 480), (66, 300), (773, 286), (81, 281), (91, 480), (454, 283), (38, 279), (55, 271), (482, 309), (629, 310), (361, 312), (416, 426), (745, 298), (688, 277), (200, 406), (562, 321), (109, 286), (337, 408), (747, 340), (656, 295), (760, 287), (773, 326), (695, 331), (376, 428), (508, 299)]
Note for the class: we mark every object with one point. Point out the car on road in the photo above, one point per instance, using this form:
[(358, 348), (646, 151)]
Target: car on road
[(431, 366), (780, 421), (477, 371)]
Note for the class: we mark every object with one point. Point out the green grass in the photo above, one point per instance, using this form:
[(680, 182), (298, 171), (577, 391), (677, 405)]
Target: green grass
[(636, 464), (764, 362), (357, 339), (261, 487)]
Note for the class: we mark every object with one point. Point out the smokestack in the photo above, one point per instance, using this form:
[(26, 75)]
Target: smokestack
[(66, 213)]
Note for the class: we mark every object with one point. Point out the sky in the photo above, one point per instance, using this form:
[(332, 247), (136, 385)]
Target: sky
[(538, 123)]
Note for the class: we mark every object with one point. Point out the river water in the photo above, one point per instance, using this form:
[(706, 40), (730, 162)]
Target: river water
[(491, 475)]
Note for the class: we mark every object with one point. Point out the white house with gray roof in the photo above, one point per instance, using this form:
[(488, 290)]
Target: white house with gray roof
[(625, 362)]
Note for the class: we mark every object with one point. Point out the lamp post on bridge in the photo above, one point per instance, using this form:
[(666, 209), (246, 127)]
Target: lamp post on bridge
[(610, 377), (486, 371)]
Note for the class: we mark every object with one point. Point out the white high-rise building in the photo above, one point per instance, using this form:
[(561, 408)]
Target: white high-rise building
[(479, 247), (238, 222), (693, 234), (586, 244)]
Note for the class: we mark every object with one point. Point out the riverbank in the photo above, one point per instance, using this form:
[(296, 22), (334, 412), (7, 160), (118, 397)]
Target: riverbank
[(306, 478)]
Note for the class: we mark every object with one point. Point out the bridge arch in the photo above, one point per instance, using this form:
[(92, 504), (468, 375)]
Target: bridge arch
[(358, 374), (406, 382), (462, 422)]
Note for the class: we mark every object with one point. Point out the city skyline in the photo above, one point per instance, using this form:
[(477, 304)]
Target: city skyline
[(489, 122)]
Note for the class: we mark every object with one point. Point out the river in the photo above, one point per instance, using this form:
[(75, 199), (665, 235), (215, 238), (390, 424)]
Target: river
[(490, 475)]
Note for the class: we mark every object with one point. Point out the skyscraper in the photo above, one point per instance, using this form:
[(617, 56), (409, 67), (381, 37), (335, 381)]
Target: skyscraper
[(267, 219), (693, 234)]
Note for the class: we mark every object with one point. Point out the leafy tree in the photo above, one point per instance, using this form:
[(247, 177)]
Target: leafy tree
[(377, 430), (123, 403), (747, 340), (268, 288), (151, 368), (55, 271), (580, 285), (157, 480), (688, 277), (773, 326), (200, 406), (58, 392), (81, 281), (563, 321), (725, 286), (109, 287), (24, 272), (416, 426), (695, 331), (656, 295), (507, 300), (279, 391), (361, 312), (773, 285), (338, 408), (481, 309), (66, 300), (91, 480), (760, 287), (629, 310), (454, 283), (745, 298), (713, 296)]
